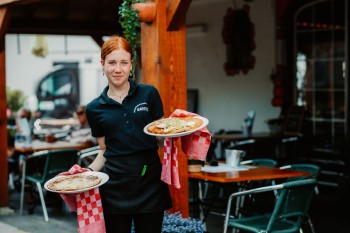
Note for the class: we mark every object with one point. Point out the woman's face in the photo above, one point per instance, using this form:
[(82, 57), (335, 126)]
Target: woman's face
[(117, 66)]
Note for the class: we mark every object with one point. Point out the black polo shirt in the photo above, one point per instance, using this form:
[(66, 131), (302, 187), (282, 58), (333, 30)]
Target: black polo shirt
[(122, 124)]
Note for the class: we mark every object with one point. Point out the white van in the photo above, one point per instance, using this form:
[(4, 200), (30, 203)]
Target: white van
[(66, 87)]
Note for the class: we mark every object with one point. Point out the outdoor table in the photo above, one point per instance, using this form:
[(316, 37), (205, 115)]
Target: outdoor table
[(38, 145), (252, 174)]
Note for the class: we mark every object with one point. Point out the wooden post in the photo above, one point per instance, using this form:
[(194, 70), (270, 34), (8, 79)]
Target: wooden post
[(163, 58), (4, 19)]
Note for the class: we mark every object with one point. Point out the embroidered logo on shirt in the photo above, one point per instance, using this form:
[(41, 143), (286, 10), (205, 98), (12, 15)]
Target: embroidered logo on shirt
[(141, 107)]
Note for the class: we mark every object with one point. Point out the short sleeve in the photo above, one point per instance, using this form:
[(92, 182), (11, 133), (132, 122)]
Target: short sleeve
[(96, 128)]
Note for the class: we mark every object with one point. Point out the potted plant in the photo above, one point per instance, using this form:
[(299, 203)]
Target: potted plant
[(146, 11), (15, 99)]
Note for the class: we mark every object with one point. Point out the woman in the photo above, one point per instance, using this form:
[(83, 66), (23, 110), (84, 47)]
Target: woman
[(117, 117)]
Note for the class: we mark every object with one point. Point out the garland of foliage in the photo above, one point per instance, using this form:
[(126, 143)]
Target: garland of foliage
[(130, 22)]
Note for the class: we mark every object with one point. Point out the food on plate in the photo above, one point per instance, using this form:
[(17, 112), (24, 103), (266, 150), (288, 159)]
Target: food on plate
[(74, 182), (174, 125)]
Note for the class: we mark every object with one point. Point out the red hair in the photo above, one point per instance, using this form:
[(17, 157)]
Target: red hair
[(115, 42)]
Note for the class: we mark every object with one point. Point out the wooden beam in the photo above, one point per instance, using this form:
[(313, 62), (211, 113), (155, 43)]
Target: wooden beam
[(98, 39), (4, 20), (176, 13), (164, 66), (7, 3), (61, 27)]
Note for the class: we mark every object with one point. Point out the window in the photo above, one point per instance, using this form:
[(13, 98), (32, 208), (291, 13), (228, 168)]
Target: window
[(320, 66), (58, 93)]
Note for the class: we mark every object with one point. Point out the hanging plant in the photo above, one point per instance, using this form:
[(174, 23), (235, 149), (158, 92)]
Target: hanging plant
[(130, 22), (238, 35), (40, 48)]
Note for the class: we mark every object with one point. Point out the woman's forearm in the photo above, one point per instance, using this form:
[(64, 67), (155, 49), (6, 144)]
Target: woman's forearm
[(99, 162)]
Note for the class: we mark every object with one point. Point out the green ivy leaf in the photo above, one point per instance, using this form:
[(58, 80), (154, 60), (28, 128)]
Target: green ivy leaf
[(130, 22)]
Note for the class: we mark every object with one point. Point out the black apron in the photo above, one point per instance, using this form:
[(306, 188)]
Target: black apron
[(134, 184)]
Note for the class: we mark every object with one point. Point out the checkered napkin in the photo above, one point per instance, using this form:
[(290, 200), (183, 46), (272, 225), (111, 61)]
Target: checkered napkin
[(195, 145), (88, 206)]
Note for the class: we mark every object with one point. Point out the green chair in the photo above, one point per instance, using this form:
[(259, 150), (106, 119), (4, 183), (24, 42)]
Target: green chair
[(259, 203), (86, 156), (288, 213), (54, 162), (314, 171), (260, 162)]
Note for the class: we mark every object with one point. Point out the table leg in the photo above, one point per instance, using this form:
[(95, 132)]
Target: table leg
[(216, 191), (195, 199)]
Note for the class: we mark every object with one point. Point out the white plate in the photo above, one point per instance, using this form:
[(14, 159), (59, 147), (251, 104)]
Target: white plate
[(205, 123), (104, 177)]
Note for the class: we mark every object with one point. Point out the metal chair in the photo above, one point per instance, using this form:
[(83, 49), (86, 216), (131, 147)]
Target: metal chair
[(260, 162), (245, 145), (204, 188), (13, 173), (289, 210), (314, 171), (259, 203), (55, 162), (90, 152)]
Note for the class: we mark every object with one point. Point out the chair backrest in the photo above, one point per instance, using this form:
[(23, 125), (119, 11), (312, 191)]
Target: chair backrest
[(313, 169), (261, 162), (293, 203), (289, 210), (58, 161), (89, 152), (265, 198), (294, 120), (245, 145), (93, 148)]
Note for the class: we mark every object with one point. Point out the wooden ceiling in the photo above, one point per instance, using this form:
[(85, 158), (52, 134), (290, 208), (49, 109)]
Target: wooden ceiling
[(96, 18)]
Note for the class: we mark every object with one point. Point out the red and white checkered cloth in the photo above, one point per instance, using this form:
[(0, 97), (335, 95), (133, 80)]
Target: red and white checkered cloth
[(88, 206), (195, 145)]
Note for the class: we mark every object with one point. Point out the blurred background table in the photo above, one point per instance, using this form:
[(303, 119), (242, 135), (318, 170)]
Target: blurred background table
[(38, 145)]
